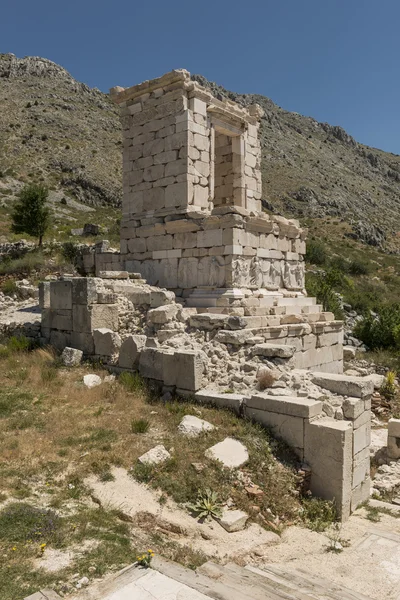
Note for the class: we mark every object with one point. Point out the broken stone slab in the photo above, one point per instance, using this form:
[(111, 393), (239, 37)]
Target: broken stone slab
[(208, 321), (273, 350), (129, 352), (91, 380), (349, 353), (231, 401), (162, 314), (236, 338), (161, 297), (192, 426), (155, 456), (106, 342), (377, 380), (233, 520), (286, 405), (230, 452), (71, 357), (344, 385), (114, 274)]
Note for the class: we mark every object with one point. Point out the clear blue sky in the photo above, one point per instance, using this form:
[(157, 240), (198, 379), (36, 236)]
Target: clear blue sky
[(334, 60)]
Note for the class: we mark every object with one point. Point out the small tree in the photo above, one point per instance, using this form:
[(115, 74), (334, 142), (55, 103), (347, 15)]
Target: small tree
[(31, 215)]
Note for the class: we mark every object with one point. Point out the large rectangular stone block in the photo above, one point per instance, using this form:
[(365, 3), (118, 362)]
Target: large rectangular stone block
[(87, 318), (290, 429), (44, 294), (285, 405), (84, 290), (184, 369), (358, 387), (83, 341), (151, 363), (61, 320), (328, 449), (61, 295)]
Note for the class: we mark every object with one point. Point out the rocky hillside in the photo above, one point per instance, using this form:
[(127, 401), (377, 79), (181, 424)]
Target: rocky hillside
[(57, 130)]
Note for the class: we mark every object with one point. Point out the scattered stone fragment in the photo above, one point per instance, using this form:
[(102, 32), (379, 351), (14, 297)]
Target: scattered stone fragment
[(91, 380), (71, 357), (254, 490), (233, 520), (82, 583), (155, 456), (193, 426), (230, 452), (349, 353), (198, 467)]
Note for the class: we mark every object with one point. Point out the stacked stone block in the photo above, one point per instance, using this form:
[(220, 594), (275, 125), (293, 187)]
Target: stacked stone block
[(72, 309), (221, 251)]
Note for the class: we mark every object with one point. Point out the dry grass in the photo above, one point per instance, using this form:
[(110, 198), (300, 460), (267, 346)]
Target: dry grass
[(265, 378), (54, 432)]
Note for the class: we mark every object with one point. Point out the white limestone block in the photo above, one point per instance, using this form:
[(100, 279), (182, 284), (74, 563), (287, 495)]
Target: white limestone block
[(230, 452), (192, 426)]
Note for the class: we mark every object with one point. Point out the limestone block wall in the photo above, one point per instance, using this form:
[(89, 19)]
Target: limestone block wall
[(336, 451), (221, 251), (72, 309), (172, 128)]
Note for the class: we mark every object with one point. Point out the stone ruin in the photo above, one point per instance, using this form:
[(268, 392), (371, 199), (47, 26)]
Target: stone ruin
[(206, 297)]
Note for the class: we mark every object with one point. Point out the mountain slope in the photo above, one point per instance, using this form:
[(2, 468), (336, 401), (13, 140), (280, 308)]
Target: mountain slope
[(57, 130)]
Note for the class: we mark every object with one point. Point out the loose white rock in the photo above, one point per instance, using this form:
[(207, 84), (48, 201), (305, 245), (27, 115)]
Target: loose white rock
[(155, 456), (71, 357), (91, 380), (193, 426), (230, 452), (233, 520)]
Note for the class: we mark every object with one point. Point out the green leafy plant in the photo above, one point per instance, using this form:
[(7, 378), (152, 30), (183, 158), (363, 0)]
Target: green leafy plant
[(382, 330), (31, 215), (316, 253), (323, 286), (388, 389), (207, 505), (318, 514)]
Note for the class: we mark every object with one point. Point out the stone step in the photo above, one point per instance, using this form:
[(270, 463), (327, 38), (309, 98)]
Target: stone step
[(216, 589), (252, 584), (298, 300), (305, 582)]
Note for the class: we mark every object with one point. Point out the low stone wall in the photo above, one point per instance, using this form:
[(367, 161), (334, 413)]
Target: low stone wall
[(336, 451)]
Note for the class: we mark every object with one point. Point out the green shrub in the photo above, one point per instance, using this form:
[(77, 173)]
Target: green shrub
[(318, 514), (31, 214), (71, 253), (316, 253), (357, 267), (380, 331), (24, 265), (323, 286), (9, 287)]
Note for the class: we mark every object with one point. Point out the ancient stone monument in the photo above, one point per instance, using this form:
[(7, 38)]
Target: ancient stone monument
[(235, 307), (192, 218)]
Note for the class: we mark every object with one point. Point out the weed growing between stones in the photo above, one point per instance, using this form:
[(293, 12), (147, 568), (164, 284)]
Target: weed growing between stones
[(318, 514)]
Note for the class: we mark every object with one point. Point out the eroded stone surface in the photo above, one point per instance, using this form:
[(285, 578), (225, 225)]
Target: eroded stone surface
[(192, 426), (91, 380), (231, 453), (155, 456)]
